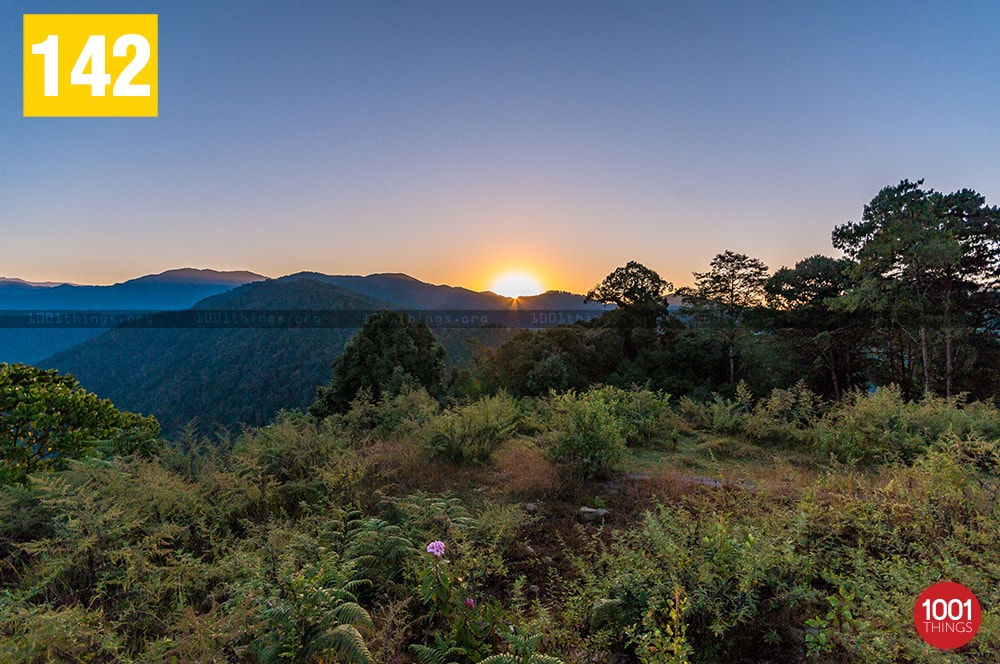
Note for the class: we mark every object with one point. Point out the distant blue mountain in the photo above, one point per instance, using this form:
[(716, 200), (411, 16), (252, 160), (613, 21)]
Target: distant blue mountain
[(167, 291), (174, 289), (408, 293)]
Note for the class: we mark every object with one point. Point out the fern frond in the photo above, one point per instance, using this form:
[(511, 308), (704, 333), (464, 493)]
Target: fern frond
[(347, 642), (353, 614), (604, 611), (439, 654)]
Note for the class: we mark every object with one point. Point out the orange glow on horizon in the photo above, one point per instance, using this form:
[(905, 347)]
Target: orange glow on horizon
[(516, 283)]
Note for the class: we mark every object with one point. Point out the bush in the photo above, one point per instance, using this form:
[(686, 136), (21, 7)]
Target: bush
[(696, 581), (401, 415), (67, 634), (881, 427), (472, 432), (296, 462), (588, 435), (785, 417), (720, 415), (645, 416)]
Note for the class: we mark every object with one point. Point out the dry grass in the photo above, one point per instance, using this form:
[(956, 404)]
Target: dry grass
[(521, 472)]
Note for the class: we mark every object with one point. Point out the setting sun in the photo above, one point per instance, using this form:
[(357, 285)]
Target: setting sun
[(516, 284)]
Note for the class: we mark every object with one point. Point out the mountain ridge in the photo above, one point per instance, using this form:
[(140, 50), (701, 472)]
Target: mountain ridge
[(167, 291), (227, 377)]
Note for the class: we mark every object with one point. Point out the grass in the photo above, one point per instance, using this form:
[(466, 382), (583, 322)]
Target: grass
[(748, 533)]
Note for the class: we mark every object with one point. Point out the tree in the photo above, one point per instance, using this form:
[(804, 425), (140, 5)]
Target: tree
[(733, 285), (928, 263), (634, 285), (640, 297), (800, 299), (389, 354), (535, 362), (47, 417)]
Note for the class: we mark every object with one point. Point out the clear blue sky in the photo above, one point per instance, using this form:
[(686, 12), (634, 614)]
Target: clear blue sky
[(453, 140)]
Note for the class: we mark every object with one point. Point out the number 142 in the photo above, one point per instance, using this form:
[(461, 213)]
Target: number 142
[(93, 55)]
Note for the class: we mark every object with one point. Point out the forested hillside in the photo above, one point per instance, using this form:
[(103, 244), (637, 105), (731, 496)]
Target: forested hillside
[(226, 378), (220, 378), (174, 289)]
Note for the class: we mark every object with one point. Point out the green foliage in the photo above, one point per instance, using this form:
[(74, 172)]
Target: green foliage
[(926, 264), (382, 552), (824, 343), (882, 426), (661, 638), (46, 634), (522, 651), (441, 652), (46, 419), (389, 355), (785, 417), (288, 462), (312, 615), (299, 543), (645, 416), (720, 415), (129, 542), (534, 362), (473, 431), (588, 435), (730, 582), (836, 631), (882, 539), (404, 414)]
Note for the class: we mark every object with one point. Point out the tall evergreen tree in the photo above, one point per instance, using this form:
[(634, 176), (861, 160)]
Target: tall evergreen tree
[(733, 285), (929, 264), (389, 353)]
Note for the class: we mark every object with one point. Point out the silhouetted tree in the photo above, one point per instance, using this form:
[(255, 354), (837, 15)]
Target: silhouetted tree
[(721, 296), (800, 300), (928, 263), (634, 285), (640, 295), (388, 354)]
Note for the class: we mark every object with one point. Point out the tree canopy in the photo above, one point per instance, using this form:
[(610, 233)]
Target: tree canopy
[(47, 417), (389, 353), (734, 283), (631, 286), (927, 263)]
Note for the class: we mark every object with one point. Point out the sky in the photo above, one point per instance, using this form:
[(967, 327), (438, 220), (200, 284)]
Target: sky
[(459, 141)]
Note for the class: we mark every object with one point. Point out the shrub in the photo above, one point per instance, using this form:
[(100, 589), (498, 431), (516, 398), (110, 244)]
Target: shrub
[(67, 634), (696, 581), (720, 415), (288, 461), (784, 417), (645, 416), (401, 415), (588, 435), (472, 432), (881, 427)]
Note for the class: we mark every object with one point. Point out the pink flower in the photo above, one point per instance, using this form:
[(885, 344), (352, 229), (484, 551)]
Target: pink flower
[(469, 602), (436, 547)]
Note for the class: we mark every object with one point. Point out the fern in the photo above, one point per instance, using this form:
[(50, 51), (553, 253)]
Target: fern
[(605, 611), (522, 651), (312, 613), (440, 653)]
